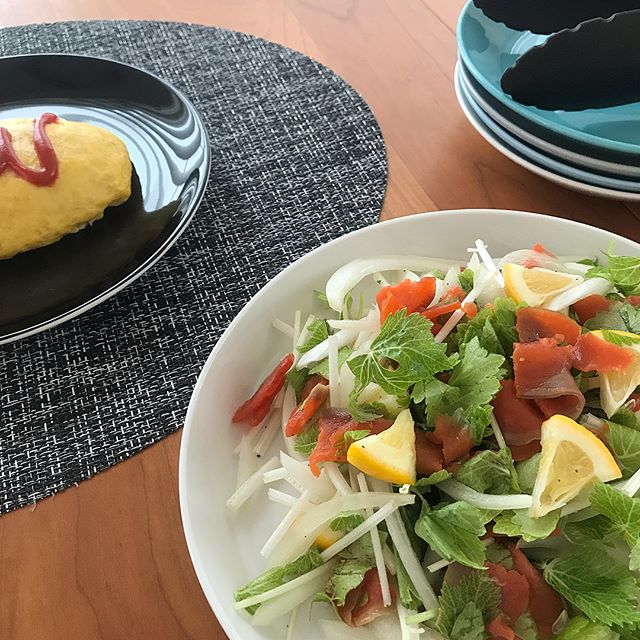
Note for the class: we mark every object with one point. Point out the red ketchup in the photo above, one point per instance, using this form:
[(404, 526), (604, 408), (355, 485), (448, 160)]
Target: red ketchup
[(48, 171)]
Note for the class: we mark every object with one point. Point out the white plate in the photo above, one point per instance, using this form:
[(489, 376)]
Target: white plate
[(224, 548), (593, 163), (564, 181)]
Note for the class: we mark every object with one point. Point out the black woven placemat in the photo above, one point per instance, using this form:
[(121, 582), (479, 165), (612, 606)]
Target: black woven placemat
[(298, 159)]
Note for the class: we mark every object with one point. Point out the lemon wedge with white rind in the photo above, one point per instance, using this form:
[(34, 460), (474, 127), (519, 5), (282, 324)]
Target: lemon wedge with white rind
[(536, 286), (390, 455), (617, 386), (572, 459)]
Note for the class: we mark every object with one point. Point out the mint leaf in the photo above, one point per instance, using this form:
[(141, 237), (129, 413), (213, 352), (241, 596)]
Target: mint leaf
[(490, 472), (527, 472), (453, 531), (348, 575), (630, 316), (297, 378), (624, 442), (519, 524), (307, 440), (318, 332), (612, 319), (322, 367), (428, 481), (475, 588), (526, 627), (278, 576), (619, 508), (620, 340), (408, 595), (634, 557), (469, 625), (627, 418), (582, 629), (363, 412), (403, 353), (594, 529), (604, 590), (466, 280), (622, 271), (346, 521)]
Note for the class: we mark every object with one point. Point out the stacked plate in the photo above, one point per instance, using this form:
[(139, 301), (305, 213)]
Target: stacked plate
[(595, 150)]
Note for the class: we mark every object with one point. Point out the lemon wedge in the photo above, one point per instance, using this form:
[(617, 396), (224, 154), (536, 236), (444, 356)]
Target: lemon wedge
[(572, 459), (617, 386), (535, 286), (390, 455)]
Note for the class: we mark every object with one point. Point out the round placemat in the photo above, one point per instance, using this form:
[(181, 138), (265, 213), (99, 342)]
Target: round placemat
[(297, 160)]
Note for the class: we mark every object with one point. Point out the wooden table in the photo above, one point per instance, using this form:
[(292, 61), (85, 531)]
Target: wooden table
[(107, 560)]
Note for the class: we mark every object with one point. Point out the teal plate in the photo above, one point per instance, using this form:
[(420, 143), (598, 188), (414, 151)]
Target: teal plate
[(489, 48)]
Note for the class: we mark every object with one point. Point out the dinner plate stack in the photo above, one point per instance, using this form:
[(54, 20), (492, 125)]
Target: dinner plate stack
[(592, 150)]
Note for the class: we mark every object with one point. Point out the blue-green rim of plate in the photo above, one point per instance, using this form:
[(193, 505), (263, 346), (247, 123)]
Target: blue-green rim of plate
[(528, 112)]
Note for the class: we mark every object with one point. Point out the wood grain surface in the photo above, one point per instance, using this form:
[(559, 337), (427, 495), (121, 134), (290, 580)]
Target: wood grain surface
[(107, 560)]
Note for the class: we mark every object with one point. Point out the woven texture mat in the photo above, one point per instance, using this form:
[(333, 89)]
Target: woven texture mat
[(298, 159)]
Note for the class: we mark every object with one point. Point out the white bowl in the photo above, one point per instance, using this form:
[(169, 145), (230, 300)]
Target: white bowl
[(224, 549)]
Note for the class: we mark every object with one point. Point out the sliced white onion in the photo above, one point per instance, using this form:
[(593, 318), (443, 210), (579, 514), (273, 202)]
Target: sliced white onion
[(280, 497), (305, 530), (250, 486), (409, 632), (497, 432), (529, 257), (406, 553), (283, 327), (460, 491), (589, 287), (304, 335), (389, 560), (347, 385), (451, 279), (342, 338), (288, 596), (288, 405), (246, 461), (275, 475), (268, 434), (349, 275), (320, 488), (576, 267), (286, 522), (632, 485), (337, 479), (409, 275), (484, 254)]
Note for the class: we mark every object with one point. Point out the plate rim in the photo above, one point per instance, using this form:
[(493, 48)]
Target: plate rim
[(526, 112), (221, 613), (140, 270)]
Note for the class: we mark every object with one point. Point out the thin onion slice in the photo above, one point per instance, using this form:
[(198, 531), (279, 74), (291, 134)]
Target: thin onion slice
[(587, 288), (461, 492), (341, 339), (250, 486)]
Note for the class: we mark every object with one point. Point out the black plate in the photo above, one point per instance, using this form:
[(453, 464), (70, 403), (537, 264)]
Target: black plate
[(169, 149)]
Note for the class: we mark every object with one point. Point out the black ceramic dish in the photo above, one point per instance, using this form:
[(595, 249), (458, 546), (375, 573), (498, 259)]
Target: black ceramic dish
[(592, 66), (557, 139), (169, 149), (549, 17)]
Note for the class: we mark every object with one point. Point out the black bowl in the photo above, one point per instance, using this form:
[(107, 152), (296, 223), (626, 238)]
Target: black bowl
[(169, 148)]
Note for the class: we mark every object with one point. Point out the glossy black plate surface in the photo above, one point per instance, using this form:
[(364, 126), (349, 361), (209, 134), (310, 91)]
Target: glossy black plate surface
[(169, 149)]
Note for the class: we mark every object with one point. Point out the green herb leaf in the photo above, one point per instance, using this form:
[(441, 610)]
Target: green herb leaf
[(631, 317), (278, 576), (469, 625), (466, 278), (346, 521), (612, 320), (408, 595), (604, 590), (348, 575), (453, 531), (490, 472), (322, 367), (594, 529), (624, 442), (622, 271), (619, 508), (318, 332), (307, 439), (439, 476), (519, 524), (474, 588), (620, 340), (403, 353), (297, 378), (526, 627), (582, 629), (627, 418), (527, 472)]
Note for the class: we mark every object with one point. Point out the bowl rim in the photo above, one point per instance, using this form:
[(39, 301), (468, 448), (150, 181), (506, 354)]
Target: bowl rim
[(222, 614)]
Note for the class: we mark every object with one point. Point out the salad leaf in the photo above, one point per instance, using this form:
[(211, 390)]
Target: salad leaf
[(363, 412), (490, 472), (348, 438), (527, 472), (307, 440), (408, 595), (347, 576), (634, 557), (318, 331), (604, 590), (469, 625), (297, 378), (627, 418), (322, 367), (619, 508), (403, 353), (474, 588), (631, 317), (582, 629), (622, 271), (277, 576), (428, 481), (620, 340), (519, 524), (346, 521), (594, 529), (612, 319), (453, 531), (466, 280), (474, 381), (526, 627), (624, 442)]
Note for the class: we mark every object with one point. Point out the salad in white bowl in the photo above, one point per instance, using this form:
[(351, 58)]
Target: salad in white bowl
[(457, 451)]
